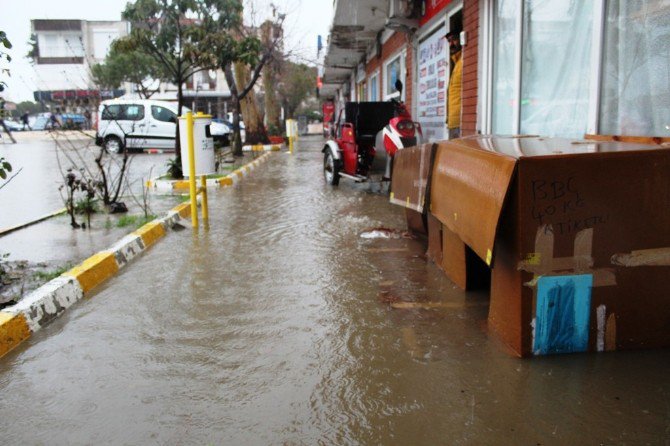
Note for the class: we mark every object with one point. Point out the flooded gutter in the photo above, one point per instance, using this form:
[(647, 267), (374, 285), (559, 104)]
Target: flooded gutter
[(39, 308)]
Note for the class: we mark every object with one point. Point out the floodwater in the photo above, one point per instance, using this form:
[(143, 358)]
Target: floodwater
[(42, 157), (278, 326)]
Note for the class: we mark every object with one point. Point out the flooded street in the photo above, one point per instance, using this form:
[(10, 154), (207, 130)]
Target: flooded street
[(34, 193), (283, 325)]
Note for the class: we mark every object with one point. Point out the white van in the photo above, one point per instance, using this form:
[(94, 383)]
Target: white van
[(136, 124)]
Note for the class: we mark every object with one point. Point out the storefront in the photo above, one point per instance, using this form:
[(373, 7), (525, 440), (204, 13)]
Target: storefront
[(576, 68), (432, 66)]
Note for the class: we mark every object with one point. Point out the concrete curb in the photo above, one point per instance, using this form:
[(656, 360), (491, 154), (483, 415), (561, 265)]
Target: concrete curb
[(30, 223), (228, 180), (20, 321), (262, 148)]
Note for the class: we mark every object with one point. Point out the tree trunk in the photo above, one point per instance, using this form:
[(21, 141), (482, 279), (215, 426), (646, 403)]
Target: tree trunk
[(269, 85), (177, 142), (253, 121), (271, 104), (232, 85)]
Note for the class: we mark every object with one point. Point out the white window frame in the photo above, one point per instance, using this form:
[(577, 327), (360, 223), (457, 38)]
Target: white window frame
[(402, 56), (597, 47), (487, 62), (374, 77)]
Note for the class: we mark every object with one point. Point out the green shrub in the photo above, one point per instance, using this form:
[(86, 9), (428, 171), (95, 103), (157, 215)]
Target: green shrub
[(86, 206)]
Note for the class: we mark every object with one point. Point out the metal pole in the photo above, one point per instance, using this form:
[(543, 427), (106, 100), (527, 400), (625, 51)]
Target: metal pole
[(205, 209), (291, 134), (191, 169)]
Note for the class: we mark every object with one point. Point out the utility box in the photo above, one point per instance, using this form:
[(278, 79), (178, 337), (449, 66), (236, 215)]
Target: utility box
[(575, 234), (291, 128), (203, 145)]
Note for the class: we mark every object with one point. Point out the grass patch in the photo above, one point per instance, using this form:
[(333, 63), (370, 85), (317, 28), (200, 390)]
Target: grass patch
[(134, 221), (216, 176), (86, 206), (46, 276)]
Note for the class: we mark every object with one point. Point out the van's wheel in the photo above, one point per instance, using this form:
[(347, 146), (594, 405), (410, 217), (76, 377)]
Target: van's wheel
[(331, 169), (113, 144)]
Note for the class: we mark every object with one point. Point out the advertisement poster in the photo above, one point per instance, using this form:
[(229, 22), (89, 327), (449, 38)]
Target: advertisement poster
[(432, 85)]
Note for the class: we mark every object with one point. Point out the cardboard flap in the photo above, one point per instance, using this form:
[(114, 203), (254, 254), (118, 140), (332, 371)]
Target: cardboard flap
[(468, 190), (411, 173)]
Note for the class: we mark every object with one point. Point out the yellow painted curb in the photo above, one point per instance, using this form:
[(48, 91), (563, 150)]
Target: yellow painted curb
[(180, 184), (150, 233), (184, 210), (226, 181), (94, 270), (13, 330), (239, 173)]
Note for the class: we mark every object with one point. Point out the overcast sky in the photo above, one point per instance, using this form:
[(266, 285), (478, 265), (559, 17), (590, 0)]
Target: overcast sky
[(305, 20)]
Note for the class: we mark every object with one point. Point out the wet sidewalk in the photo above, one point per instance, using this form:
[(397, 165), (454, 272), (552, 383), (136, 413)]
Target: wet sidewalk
[(278, 326)]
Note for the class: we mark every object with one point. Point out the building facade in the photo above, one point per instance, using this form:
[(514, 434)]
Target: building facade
[(67, 49), (64, 54), (560, 68)]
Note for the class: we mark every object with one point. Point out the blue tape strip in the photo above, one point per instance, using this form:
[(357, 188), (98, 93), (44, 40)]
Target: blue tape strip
[(562, 314)]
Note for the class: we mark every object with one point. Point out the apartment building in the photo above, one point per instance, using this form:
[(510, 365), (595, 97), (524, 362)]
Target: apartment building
[(65, 52)]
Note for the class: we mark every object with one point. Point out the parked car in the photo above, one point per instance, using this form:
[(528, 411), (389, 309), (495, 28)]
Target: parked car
[(13, 126), (222, 131), (143, 124), (136, 124), (41, 121)]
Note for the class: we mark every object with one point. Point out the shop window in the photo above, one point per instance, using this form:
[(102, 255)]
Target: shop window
[(373, 87), (361, 92), (504, 94), (635, 93), (575, 76), (555, 67), (393, 71)]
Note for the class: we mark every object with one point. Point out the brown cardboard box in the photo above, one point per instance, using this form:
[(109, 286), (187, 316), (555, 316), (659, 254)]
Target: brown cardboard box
[(411, 185), (577, 235)]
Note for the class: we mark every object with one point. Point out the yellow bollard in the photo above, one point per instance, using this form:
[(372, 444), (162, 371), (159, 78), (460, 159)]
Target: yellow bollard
[(290, 134), (191, 169), (205, 210)]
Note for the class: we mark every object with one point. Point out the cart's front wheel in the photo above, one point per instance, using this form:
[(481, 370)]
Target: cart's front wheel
[(331, 169)]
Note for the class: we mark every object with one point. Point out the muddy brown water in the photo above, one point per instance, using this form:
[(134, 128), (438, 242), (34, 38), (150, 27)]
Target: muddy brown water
[(278, 326)]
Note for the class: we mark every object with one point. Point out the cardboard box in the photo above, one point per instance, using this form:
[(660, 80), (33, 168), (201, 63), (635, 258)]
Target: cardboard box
[(411, 186), (576, 233)]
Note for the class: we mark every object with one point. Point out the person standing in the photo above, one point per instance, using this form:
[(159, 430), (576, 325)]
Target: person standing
[(53, 120), (87, 117), (24, 121), (455, 86)]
